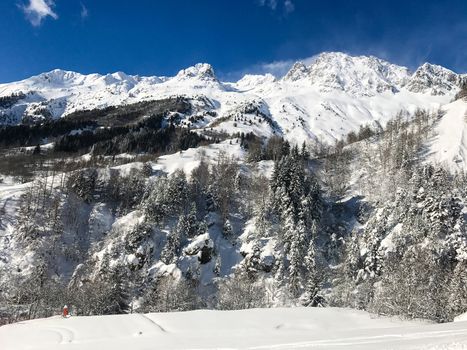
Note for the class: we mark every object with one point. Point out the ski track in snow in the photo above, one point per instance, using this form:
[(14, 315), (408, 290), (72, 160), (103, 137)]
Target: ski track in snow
[(66, 334), (152, 322)]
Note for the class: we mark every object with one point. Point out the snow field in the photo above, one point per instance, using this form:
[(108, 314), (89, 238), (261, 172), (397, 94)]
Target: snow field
[(293, 328)]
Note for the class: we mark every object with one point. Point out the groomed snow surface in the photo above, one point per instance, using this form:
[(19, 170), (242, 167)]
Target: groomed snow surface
[(293, 328)]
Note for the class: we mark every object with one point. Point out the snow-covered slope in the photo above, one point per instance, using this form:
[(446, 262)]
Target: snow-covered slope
[(449, 145), (191, 158), (327, 99), (296, 328)]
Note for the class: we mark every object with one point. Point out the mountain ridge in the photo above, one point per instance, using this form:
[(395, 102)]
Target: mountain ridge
[(331, 96)]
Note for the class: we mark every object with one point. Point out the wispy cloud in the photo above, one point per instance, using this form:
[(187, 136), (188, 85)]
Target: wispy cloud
[(272, 4), (287, 6), (277, 68), (280, 68), (37, 10), (84, 11)]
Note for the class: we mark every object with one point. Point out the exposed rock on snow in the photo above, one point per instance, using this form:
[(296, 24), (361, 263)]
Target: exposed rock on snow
[(202, 246)]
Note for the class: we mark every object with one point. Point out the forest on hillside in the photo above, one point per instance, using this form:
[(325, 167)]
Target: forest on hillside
[(364, 223)]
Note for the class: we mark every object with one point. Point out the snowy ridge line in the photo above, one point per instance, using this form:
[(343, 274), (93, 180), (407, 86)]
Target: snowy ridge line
[(363, 89)]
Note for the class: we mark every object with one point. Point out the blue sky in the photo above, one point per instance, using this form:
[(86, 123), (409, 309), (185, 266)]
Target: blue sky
[(160, 37)]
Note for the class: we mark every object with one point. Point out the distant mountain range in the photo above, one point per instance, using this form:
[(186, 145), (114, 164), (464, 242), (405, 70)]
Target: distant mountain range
[(335, 94)]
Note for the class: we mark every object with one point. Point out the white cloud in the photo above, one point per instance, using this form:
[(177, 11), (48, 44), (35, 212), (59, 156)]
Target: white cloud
[(272, 4), (280, 68), (287, 6), (84, 11), (276, 68), (37, 10)]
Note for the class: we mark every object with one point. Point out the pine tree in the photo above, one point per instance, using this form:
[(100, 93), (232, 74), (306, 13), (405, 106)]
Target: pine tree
[(173, 244), (457, 299), (191, 227), (313, 297), (298, 243), (305, 154), (156, 202), (177, 192), (110, 294), (227, 231)]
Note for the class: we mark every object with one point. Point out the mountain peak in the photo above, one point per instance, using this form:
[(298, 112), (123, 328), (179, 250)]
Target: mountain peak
[(298, 71), (201, 71), (119, 78), (250, 81), (333, 55), (434, 79), (57, 76), (357, 75)]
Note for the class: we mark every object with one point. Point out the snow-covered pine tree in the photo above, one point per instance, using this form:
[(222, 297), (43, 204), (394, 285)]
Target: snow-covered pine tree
[(297, 241), (227, 231), (177, 192), (457, 290), (173, 242), (156, 204), (119, 302)]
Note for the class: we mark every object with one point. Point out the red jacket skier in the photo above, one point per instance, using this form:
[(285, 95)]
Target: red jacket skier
[(65, 311)]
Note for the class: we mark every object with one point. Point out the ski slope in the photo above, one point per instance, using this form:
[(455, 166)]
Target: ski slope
[(294, 328)]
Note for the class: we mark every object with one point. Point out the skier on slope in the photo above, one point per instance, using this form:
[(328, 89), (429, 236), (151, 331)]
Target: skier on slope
[(65, 311)]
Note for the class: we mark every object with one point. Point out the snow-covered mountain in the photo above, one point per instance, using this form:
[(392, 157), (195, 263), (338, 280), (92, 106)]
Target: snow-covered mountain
[(125, 212), (335, 94), (434, 79), (360, 76)]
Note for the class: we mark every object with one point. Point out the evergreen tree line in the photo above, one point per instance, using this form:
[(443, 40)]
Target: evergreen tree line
[(273, 148), (31, 135), (56, 223), (11, 100), (405, 255), (409, 259)]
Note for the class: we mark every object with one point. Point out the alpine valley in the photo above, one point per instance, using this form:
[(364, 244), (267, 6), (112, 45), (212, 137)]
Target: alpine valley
[(341, 183)]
